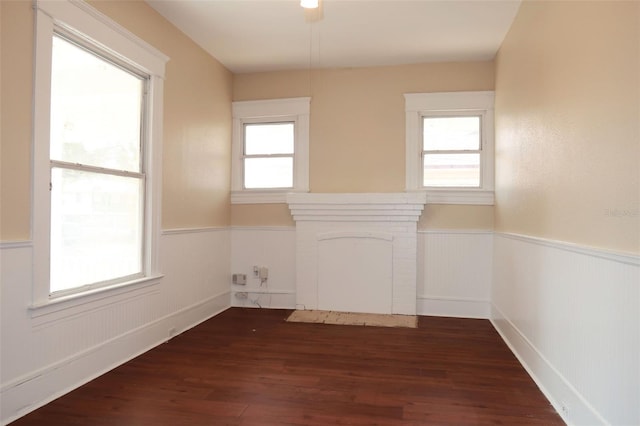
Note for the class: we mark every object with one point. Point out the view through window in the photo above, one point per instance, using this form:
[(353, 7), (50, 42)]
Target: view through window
[(268, 155), (97, 175), (451, 151)]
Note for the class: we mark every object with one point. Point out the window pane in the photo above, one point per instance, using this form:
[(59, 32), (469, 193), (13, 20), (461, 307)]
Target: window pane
[(96, 228), (95, 110), (268, 172), (268, 138), (451, 133), (451, 170)]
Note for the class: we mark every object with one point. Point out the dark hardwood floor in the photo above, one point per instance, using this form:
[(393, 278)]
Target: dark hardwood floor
[(250, 367)]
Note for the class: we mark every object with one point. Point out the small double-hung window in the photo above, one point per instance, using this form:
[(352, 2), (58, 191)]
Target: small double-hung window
[(270, 150), (449, 149), (268, 155)]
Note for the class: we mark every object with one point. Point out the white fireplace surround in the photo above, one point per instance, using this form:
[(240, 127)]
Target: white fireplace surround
[(357, 252)]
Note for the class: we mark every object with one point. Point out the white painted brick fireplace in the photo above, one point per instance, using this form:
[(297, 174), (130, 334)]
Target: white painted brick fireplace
[(356, 252)]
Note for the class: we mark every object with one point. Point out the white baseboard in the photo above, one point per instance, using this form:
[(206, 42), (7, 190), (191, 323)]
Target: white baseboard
[(452, 307), (28, 393), (270, 299), (571, 315), (567, 401)]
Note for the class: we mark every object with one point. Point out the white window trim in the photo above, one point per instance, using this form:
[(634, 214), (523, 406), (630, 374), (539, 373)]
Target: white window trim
[(270, 110), (88, 24), (418, 105)]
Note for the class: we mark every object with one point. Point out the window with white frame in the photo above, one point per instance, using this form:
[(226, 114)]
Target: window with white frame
[(97, 135), (270, 149), (449, 149)]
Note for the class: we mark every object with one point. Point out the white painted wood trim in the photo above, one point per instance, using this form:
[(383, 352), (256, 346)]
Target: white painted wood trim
[(181, 231), (365, 198), (443, 101), (40, 194), (301, 158), (9, 245), (271, 107), (89, 24), (628, 259), (263, 228), (384, 236), (153, 195), (456, 231), (378, 207), (86, 22), (455, 299), (457, 307), (413, 150), (236, 156), (480, 197), (78, 303)]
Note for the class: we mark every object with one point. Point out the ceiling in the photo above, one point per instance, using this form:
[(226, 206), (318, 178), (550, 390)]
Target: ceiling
[(267, 35)]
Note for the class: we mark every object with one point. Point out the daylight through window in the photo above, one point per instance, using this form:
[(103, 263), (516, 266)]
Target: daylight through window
[(451, 151), (268, 155), (97, 174)]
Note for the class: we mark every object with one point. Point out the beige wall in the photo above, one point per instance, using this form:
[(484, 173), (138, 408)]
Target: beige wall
[(567, 124), (16, 92), (197, 120), (261, 215), (446, 216), (357, 130)]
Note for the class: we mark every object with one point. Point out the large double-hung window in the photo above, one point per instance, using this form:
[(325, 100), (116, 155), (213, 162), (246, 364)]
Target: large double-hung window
[(97, 168), (97, 120)]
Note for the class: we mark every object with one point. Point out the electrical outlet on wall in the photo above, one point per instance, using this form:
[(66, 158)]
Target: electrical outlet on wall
[(239, 279), (263, 273)]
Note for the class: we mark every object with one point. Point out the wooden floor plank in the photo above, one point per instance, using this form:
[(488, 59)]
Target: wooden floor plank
[(250, 367)]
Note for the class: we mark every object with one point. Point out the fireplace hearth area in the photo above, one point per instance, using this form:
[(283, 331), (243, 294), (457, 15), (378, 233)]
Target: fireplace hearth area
[(356, 252)]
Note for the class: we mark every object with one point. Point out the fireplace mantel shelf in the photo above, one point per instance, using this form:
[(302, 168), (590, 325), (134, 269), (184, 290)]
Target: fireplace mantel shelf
[(388, 207)]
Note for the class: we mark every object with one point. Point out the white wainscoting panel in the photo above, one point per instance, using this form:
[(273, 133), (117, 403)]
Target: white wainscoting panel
[(195, 265), (454, 273), (572, 316), (43, 359), (273, 247)]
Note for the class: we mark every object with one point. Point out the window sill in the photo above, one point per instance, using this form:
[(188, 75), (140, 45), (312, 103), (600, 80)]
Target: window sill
[(482, 197), (61, 307), (268, 196)]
